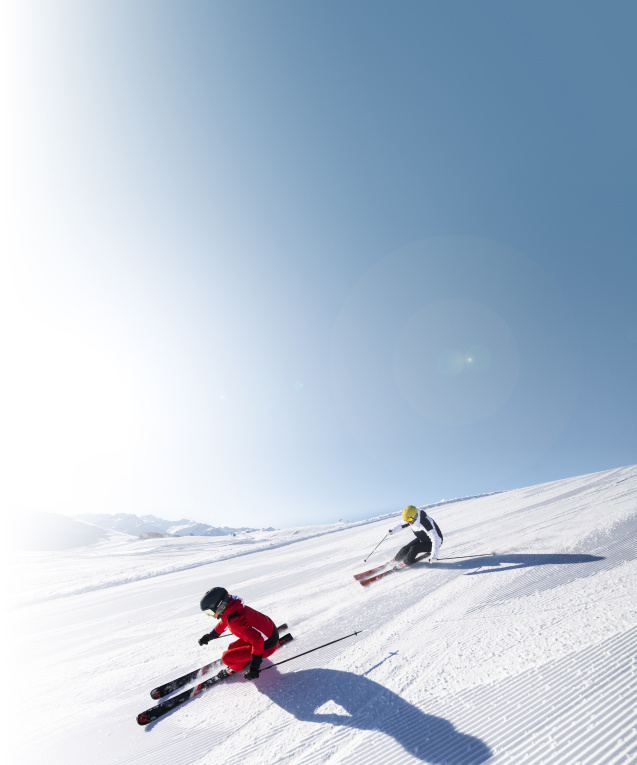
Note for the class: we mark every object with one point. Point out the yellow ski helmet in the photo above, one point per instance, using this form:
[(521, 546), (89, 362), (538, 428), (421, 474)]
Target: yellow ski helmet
[(410, 513)]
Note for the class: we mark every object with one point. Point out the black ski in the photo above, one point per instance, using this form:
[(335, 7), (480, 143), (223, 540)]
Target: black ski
[(173, 685), (150, 715), (143, 718)]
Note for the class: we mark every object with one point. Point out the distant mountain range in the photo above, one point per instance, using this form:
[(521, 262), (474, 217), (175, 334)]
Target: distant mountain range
[(128, 523), (38, 530)]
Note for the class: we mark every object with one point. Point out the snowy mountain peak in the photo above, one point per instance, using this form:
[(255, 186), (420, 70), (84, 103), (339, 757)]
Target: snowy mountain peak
[(129, 523)]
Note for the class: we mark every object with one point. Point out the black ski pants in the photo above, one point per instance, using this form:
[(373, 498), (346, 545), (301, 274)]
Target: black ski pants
[(409, 552)]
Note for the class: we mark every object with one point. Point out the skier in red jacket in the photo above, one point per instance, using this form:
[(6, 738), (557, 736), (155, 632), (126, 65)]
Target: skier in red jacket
[(257, 633)]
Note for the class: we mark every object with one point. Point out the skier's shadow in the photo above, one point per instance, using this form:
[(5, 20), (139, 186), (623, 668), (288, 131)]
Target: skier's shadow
[(489, 564), (370, 706)]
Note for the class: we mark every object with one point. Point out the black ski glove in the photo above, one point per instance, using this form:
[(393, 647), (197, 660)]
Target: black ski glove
[(253, 669), (207, 638)]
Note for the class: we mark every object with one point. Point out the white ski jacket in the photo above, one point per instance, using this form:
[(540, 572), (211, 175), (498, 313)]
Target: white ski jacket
[(424, 526)]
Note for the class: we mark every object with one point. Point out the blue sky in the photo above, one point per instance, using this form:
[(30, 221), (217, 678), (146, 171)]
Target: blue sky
[(284, 263)]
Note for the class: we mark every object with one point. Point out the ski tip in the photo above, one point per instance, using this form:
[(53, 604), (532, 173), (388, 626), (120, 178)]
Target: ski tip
[(143, 718), (282, 627), (155, 693)]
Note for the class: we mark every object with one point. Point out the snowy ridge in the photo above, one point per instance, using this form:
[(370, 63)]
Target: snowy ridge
[(127, 523), (524, 657)]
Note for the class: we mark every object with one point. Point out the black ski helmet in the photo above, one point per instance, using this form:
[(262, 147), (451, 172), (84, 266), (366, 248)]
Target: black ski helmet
[(214, 598)]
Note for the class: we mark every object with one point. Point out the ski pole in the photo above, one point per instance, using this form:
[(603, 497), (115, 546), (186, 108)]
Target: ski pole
[(458, 557), (311, 650), (376, 548)]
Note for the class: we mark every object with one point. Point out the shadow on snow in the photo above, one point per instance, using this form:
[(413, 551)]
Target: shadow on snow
[(513, 561), (371, 707)]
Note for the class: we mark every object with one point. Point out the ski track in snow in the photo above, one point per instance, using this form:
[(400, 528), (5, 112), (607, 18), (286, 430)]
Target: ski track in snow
[(527, 656)]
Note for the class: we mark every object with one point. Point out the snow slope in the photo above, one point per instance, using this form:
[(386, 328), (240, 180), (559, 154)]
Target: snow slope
[(527, 656)]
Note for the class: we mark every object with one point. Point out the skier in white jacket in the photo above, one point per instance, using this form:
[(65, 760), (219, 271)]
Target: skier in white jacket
[(428, 536)]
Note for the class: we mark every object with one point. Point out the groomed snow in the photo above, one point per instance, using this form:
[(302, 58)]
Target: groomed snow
[(527, 656)]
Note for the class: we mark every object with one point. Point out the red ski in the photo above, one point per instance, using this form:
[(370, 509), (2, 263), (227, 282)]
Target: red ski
[(397, 567), (369, 572)]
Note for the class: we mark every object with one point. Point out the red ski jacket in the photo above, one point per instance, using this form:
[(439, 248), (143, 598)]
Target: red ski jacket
[(246, 623)]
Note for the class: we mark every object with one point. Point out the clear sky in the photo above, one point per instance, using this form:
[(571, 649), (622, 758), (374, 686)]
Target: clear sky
[(280, 263)]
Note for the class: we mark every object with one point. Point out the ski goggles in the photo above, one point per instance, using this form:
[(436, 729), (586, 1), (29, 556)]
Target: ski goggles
[(216, 612)]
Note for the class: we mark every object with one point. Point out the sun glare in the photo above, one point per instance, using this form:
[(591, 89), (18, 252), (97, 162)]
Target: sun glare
[(65, 407)]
